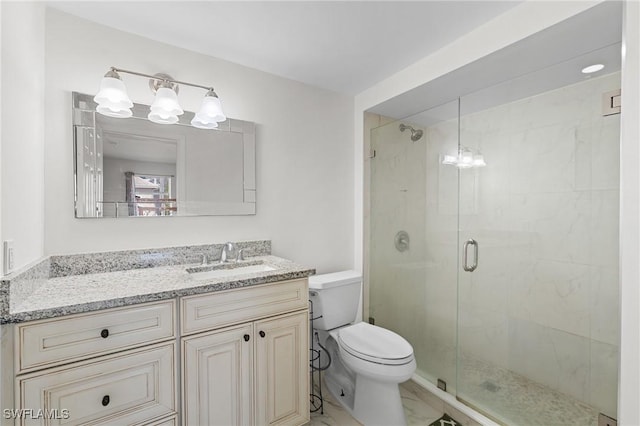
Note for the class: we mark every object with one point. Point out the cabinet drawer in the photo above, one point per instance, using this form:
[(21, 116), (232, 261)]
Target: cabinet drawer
[(50, 342), (137, 387), (243, 304)]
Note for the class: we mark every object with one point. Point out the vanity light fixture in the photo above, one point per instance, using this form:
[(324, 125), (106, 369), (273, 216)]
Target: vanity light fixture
[(113, 101), (466, 159)]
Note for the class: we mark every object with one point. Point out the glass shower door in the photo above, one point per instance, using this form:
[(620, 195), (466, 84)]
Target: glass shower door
[(413, 237), (537, 312)]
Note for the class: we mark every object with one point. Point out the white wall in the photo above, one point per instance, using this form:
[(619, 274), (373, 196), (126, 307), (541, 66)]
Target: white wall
[(629, 386), (22, 163), (304, 155)]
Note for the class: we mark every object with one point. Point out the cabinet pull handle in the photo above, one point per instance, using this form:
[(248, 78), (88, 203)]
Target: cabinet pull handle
[(262, 334), (246, 337), (104, 333), (105, 400)]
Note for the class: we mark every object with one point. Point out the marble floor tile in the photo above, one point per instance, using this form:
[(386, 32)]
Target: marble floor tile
[(417, 411)]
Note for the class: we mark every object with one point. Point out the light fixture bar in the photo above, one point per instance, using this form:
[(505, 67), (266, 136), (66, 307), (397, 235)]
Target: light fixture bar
[(155, 77)]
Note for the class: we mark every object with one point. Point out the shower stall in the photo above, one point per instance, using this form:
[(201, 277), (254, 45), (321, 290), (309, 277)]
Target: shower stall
[(493, 242)]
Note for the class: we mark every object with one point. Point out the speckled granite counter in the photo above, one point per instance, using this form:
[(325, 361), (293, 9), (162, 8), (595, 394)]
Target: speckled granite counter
[(43, 291)]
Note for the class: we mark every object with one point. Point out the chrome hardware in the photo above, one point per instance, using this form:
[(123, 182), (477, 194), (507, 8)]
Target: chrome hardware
[(465, 250), (240, 255), (227, 251), (104, 333), (402, 241)]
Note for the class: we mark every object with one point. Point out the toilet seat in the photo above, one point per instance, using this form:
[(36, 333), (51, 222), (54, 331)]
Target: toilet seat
[(375, 344)]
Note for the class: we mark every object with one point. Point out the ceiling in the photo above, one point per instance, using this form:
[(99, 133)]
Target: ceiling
[(544, 61), (343, 46)]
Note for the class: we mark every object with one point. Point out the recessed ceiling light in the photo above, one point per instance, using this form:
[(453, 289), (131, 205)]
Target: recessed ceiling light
[(592, 68)]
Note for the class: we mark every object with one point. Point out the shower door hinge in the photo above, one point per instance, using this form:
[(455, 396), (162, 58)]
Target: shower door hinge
[(611, 102), (372, 153)]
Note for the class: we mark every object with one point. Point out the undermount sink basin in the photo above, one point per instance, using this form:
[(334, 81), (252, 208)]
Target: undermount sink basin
[(228, 270)]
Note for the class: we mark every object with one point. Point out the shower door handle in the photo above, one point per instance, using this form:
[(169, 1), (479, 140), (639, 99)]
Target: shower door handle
[(465, 258)]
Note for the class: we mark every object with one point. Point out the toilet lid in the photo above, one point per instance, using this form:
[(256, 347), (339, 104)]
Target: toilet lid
[(375, 344)]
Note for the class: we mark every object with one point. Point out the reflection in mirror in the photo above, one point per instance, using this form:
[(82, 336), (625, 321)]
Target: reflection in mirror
[(135, 168)]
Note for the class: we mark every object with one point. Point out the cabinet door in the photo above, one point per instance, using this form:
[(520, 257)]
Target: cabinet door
[(282, 370), (217, 377)]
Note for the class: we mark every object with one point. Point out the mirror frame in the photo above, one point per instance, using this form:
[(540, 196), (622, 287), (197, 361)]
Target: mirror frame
[(84, 118)]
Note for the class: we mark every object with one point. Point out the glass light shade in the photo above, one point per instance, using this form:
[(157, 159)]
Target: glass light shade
[(112, 90), (112, 99), (114, 110), (211, 109), (166, 102), (203, 123), (478, 161), (162, 117), (450, 159), (466, 157)]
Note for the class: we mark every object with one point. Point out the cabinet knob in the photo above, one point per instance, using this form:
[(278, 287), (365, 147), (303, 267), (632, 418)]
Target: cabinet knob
[(104, 333), (246, 337), (105, 400), (262, 333)]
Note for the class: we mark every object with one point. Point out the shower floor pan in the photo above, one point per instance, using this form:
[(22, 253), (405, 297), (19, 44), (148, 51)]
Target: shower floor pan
[(517, 401)]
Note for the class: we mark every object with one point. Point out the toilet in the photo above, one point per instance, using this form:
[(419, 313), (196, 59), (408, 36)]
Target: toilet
[(366, 362)]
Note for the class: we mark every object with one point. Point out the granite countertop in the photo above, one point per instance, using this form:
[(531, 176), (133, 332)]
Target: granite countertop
[(38, 296)]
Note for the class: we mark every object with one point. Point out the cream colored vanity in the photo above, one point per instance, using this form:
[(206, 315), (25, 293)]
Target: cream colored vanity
[(231, 357)]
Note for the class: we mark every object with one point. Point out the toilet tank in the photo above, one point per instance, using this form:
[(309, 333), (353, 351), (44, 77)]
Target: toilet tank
[(335, 298)]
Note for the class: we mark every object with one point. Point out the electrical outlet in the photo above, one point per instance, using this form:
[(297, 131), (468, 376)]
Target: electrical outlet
[(8, 256)]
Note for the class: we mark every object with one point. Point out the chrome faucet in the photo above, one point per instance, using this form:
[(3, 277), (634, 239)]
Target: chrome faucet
[(227, 250), (240, 255)]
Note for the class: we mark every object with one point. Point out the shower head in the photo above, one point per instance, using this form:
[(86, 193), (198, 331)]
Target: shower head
[(415, 134)]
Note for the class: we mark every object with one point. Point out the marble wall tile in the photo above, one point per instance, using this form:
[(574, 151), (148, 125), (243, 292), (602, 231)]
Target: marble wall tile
[(604, 228), (604, 377), (605, 152), (542, 159), (559, 223), (560, 296), (484, 334), (558, 359), (605, 304)]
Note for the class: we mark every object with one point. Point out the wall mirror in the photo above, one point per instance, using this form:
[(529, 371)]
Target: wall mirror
[(133, 167)]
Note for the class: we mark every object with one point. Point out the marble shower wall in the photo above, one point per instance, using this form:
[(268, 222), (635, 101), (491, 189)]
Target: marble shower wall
[(544, 300)]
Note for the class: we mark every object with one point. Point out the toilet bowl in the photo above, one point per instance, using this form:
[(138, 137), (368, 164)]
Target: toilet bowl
[(367, 362)]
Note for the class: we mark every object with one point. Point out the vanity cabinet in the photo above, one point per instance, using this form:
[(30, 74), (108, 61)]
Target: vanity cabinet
[(116, 366), (254, 372), (242, 354)]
